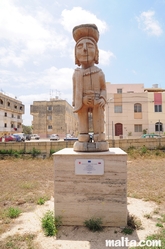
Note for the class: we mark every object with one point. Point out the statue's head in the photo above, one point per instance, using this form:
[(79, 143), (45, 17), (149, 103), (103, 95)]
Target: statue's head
[(90, 32)]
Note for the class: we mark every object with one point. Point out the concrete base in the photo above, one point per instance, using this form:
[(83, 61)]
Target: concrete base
[(81, 197), (91, 147)]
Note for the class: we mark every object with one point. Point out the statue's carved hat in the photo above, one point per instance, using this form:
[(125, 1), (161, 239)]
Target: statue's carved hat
[(86, 30)]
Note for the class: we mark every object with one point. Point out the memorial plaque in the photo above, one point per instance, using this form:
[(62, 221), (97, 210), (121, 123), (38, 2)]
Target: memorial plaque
[(89, 166)]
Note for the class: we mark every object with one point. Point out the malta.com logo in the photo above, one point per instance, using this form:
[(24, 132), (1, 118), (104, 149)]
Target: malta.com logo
[(125, 242)]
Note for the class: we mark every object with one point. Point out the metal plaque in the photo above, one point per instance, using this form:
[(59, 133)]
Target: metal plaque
[(89, 167)]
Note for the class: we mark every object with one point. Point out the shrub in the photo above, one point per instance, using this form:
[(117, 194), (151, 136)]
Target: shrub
[(94, 224), (35, 152), (13, 212), (50, 224), (127, 230)]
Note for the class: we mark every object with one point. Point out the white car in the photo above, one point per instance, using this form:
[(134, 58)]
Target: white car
[(54, 137), (35, 136)]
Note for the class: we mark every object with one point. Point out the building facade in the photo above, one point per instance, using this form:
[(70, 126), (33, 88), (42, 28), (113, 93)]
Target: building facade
[(11, 111), (132, 110), (53, 117)]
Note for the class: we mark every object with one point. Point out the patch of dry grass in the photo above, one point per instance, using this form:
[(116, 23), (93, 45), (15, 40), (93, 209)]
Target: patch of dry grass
[(146, 179), (23, 182), (17, 241)]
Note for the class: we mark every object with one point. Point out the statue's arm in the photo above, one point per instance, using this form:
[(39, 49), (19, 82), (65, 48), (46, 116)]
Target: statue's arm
[(74, 89), (103, 92)]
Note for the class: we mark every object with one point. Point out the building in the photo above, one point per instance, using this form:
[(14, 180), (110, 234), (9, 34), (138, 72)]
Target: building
[(132, 110), (53, 117), (11, 111)]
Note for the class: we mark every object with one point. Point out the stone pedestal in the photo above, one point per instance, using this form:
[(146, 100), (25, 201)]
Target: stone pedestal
[(91, 185)]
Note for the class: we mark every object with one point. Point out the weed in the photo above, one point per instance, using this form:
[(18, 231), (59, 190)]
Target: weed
[(50, 223), (28, 185), (159, 224), (94, 224), (41, 200), (163, 218), (52, 151), (13, 212), (148, 216), (156, 211), (143, 150), (127, 230), (35, 152), (134, 222)]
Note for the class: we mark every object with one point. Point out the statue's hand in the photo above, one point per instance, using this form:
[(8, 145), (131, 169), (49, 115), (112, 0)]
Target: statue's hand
[(87, 100), (101, 102)]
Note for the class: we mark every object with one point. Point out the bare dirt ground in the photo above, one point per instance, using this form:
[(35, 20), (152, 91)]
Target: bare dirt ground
[(25, 181)]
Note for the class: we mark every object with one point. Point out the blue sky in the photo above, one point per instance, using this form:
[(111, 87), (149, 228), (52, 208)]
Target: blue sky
[(37, 47)]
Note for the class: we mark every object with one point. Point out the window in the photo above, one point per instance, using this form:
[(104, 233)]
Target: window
[(49, 127), (49, 117), (119, 90), (5, 125), (158, 108), (5, 114), (1, 101), (158, 126), (8, 103), (138, 128), (12, 125), (12, 115), (15, 106), (137, 107), (18, 116), (49, 108), (118, 109), (20, 108)]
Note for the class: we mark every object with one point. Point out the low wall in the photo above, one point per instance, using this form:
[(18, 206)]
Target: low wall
[(52, 146)]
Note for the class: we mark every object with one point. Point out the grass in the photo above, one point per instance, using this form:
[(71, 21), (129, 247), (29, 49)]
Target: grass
[(18, 242)]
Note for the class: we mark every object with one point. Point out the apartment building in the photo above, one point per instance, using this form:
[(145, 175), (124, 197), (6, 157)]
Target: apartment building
[(53, 117), (11, 111), (133, 109)]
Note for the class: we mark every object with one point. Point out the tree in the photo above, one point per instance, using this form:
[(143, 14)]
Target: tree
[(26, 129)]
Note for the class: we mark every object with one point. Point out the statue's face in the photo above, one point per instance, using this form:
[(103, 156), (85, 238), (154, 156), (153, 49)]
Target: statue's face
[(85, 51)]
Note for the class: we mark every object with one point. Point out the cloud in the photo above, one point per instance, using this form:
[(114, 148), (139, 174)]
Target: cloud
[(149, 24), (25, 33), (51, 78), (105, 57), (77, 16)]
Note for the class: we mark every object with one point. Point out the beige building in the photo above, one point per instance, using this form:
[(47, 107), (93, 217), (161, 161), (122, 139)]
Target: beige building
[(131, 109), (53, 117), (11, 111)]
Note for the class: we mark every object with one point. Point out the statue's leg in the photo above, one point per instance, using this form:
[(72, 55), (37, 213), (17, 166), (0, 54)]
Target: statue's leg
[(98, 123), (83, 124)]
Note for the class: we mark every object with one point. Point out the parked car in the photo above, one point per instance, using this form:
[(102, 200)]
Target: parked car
[(7, 138), (18, 138), (54, 137), (28, 137), (151, 136), (22, 135), (35, 136), (70, 138)]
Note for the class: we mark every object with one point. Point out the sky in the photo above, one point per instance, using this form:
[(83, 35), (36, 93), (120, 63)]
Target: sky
[(37, 46)]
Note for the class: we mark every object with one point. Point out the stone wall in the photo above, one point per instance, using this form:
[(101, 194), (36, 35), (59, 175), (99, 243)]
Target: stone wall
[(47, 146)]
